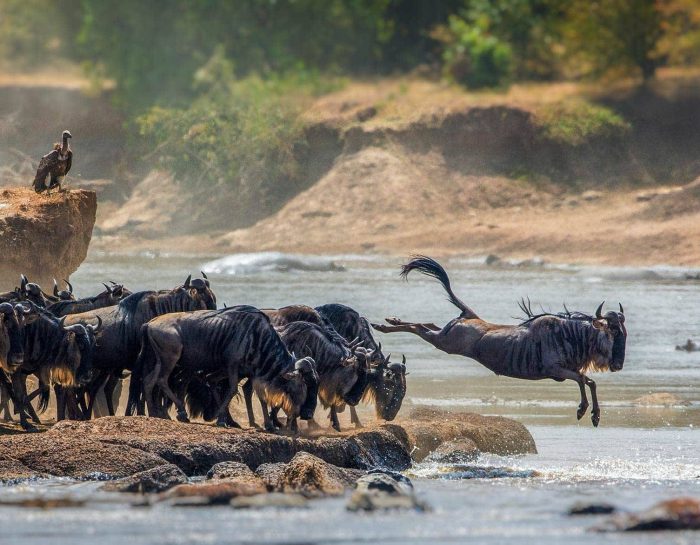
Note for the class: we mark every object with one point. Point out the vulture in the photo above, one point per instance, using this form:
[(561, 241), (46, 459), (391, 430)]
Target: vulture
[(56, 164)]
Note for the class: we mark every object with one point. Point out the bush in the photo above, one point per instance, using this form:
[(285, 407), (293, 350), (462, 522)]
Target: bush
[(474, 58), (575, 122)]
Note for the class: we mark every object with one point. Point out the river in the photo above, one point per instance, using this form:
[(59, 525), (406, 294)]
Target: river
[(638, 455)]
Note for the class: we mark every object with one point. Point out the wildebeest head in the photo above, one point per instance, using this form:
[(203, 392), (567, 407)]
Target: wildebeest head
[(305, 370), (29, 291), (387, 386), (200, 291), (612, 324), (78, 345), (63, 295), (119, 292), (13, 318)]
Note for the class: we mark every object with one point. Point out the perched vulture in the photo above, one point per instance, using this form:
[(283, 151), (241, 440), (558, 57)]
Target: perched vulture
[(56, 164)]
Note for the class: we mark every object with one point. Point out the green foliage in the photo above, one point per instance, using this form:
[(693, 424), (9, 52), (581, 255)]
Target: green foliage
[(474, 58), (240, 133), (576, 122)]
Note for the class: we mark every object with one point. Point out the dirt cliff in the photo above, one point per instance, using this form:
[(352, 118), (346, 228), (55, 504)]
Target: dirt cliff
[(43, 237)]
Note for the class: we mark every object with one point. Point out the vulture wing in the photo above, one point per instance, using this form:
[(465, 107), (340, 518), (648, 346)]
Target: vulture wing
[(46, 165), (69, 161)]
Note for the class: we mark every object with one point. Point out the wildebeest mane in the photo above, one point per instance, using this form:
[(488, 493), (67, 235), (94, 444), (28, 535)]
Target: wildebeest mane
[(566, 314)]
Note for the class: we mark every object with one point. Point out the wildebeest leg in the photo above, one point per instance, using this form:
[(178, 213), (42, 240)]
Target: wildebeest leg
[(109, 388), (232, 389), (269, 426), (292, 424), (229, 419), (275, 418), (248, 396), (334, 418), (60, 394), (19, 385), (595, 411), (563, 374), (7, 394), (422, 330), (397, 321), (354, 419), (93, 389)]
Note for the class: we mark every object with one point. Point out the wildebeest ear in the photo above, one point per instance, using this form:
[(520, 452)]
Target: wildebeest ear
[(109, 290), (601, 324), (289, 375)]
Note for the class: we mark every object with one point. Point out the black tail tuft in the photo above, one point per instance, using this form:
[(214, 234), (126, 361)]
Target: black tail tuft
[(44, 393), (432, 268)]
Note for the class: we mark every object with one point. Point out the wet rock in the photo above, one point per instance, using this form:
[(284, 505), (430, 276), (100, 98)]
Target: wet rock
[(380, 491), (428, 428), (458, 451), (492, 259), (158, 479), (583, 508), (675, 514), (275, 499), (270, 474), (689, 346), (45, 503), (310, 476), (13, 471), (44, 237), (214, 492), (661, 399)]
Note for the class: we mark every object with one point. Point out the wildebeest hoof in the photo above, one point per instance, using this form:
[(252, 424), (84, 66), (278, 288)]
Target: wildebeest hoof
[(379, 327), (581, 411), (182, 416), (29, 428), (394, 321), (222, 424), (595, 418)]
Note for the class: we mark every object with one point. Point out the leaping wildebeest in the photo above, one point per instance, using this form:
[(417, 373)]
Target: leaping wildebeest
[(555, 346)]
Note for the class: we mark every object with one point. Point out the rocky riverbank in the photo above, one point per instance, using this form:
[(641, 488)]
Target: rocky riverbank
[(118, 447)]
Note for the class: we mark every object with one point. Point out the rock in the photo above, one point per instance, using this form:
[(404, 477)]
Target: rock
[(228, 470), (689, 346), (661, 399), (458, 451), (427, 428), (591, 509), (492, 259), (380, 491), (675, 514), (271, 474), (310, 476), (158, 479), (275, 499), (590, 196), (13, 471), (44, 237), (214, 492)]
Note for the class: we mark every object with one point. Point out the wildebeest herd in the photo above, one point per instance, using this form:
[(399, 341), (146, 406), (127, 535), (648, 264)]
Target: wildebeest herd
[(183, 353)]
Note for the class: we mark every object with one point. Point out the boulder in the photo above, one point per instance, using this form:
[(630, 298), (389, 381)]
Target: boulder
[(212, 492), (237, 472), (381, 491), (675, 514), (427, 428), (13, 471), (42, 236), (158, 479), (310, 476), (583, 508), (457, 451)]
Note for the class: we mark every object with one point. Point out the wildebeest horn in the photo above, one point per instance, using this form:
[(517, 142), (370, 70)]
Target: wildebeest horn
[(186, 285), (61, 322), (55, 288), (96, 328), (109, 290), (70, 286), (7, 308), (598, 311), (622, 311), (28, 309), (206, 278), (403, 359), (23, 282)]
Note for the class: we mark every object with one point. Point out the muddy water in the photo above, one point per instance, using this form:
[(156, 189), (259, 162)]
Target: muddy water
[(639, 455)]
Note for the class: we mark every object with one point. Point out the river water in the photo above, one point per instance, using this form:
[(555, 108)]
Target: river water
[(638, 455)]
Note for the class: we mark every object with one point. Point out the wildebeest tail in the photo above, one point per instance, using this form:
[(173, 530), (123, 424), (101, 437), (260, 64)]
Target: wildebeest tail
[(432, 268), (200, 400), (44, 392)]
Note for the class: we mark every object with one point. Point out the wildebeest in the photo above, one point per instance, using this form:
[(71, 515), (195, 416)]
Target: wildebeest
[(13, 319), (119, 342), (111, 296), (342, 374), (232, 343), (63, 295), (54, 165), (386, 380), (56, 354), (556, 346)]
